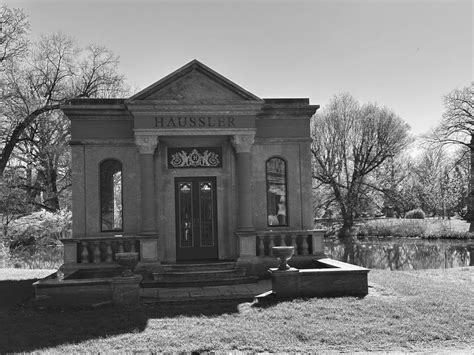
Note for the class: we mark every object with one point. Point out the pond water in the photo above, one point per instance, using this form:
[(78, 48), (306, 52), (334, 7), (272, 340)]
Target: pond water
[(403, 253)]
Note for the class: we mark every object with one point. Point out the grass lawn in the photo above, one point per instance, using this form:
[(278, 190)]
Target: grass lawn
[(427, 310), (23, 274)]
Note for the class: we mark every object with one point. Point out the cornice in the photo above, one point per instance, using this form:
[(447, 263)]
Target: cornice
[(98, 110), (146, 108), (305, 111), (282, 140), (102, 142)]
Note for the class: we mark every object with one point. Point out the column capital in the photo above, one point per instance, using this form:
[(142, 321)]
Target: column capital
[(146, 144), (243, 142)]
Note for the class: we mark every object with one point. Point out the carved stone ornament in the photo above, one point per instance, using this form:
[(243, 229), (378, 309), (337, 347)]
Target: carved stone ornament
[(243, 142), (195, 157), (146, 144)]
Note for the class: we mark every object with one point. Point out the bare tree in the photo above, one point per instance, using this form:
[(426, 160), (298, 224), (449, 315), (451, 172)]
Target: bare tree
[(350, 142), (44, 156), (393, 179), (14, 27), (55, 71), (457, 125)]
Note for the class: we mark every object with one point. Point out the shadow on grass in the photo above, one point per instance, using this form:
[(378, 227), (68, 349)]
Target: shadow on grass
[(14, 291), (25, 329)]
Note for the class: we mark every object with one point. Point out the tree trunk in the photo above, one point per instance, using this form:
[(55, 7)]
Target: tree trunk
[(17, 132), (347, 230), (470, 198), (51, 198)]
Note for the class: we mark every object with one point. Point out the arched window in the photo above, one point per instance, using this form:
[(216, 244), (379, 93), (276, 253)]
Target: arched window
[(276, 192), (111, 195)]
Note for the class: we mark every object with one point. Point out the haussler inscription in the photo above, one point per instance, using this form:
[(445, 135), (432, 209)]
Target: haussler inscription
[(193, 122)]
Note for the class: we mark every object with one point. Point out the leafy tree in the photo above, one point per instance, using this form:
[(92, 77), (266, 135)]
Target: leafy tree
[(350, 142)]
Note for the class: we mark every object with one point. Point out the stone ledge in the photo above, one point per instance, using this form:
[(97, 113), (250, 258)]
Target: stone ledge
[(335, 278)]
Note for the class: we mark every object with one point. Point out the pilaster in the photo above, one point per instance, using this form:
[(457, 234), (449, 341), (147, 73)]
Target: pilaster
[(245, 228), (243, 145), (146, 147)]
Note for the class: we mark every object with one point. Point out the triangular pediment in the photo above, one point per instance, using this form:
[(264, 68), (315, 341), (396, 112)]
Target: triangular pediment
[(195, 83)]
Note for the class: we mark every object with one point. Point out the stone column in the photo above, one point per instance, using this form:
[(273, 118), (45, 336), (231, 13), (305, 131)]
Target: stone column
[(245, 229), (146, 147)]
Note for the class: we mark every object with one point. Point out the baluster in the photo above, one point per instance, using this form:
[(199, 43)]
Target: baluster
[(120, 248), (132, 246), (271, 244), (96, 252), (260, 246), (281, 238), (85, 253), (293, 242), (108, 252), (304, 245)]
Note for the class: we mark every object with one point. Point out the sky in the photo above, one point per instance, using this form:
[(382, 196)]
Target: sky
[(404, 54)]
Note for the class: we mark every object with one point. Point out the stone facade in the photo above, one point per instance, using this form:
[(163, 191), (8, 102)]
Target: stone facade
[(192, 112)]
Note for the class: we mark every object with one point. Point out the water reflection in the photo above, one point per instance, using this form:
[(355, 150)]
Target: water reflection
[(402, 253)]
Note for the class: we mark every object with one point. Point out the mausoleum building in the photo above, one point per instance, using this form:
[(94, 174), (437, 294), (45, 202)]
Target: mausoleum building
[(193, 168)]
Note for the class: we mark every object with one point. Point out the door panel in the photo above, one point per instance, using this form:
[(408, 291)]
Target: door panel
[(196, 218)]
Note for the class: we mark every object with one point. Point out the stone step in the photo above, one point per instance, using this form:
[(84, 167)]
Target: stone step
[(199, 283), (198, 275), (199, 266), (246, 291)]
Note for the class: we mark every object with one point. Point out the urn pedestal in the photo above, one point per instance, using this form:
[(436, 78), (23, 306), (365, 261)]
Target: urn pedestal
[(128, 262), (283, 253)]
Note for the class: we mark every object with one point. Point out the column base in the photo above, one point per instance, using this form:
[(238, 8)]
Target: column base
[(247, 246), (149, 249)]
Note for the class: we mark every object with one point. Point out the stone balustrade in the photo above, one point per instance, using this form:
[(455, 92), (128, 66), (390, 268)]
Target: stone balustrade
[(102, 250), (305, 242)]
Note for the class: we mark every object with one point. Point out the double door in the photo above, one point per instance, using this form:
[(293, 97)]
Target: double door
[(196, 218)]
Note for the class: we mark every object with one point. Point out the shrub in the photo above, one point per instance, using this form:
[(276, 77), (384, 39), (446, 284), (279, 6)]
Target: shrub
[(393, 228), (377, 229), (38, 227), (448, 235), (33, 240), (415, 214), (410, 229)]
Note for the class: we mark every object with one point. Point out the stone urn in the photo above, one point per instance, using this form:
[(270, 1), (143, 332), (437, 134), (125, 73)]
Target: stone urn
[(127, 261), (284, 253)]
